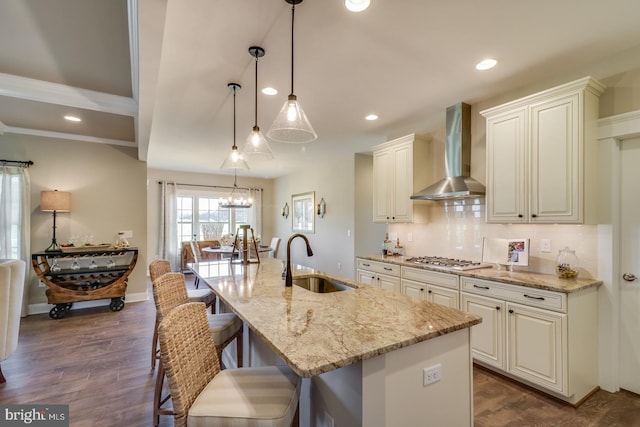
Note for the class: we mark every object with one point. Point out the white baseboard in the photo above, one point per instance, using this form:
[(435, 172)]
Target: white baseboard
[(40, 308)]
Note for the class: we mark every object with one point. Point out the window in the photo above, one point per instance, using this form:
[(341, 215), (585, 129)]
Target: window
[(197, 209), (12, 222)]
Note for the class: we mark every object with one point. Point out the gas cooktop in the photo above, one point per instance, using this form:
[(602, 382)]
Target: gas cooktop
[(447, 263)]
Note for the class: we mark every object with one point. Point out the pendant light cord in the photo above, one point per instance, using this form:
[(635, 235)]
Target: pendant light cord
[(293, 12), (234, 118), (255, 117)]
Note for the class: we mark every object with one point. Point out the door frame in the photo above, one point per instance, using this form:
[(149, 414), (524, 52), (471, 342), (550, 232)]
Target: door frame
[(612, 131)]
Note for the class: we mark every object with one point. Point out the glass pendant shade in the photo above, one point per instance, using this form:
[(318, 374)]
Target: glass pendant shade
[(257, 144), (291, 124), (234, 160)]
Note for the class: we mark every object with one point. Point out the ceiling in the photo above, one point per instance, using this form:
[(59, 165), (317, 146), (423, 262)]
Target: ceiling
[(153, 74)]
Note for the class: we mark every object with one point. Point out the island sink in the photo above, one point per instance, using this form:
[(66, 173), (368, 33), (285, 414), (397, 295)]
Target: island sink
[(320, 284)]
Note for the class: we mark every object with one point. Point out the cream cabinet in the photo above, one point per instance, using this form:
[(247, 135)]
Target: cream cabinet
[(379, 274), (433, 286), (395, 178), (538, 343), (546, 339), (541, 154), (487, 338)]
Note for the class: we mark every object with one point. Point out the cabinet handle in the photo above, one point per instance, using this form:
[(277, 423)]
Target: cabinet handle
[(366, 265), (534, 216), (393, 217), (511, 311), (388, 269), (520, 215), (498, 307), (531, 297), (481, 287)]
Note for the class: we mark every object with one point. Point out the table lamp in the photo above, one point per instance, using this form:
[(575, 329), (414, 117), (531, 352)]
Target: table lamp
[(55, 201)]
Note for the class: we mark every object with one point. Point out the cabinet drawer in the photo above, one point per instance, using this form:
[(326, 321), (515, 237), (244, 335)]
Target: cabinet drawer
[(379, 267), (521, 294), (430, 277)]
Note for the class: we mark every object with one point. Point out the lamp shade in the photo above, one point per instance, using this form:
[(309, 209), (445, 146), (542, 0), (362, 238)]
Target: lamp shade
[(55, 201)]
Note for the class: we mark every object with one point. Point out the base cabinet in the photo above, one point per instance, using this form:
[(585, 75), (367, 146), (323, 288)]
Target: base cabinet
[(433, 286), (538, 346), (547, 339), (487, 338), (379, 274)]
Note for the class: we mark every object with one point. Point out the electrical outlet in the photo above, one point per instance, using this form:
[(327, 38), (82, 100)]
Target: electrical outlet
[(339, 266), (348, 232), (545, 246), (432, 374), (410, 237)]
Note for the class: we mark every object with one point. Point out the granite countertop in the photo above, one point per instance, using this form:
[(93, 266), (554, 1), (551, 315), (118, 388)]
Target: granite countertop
[(316, 333), (548, 282)]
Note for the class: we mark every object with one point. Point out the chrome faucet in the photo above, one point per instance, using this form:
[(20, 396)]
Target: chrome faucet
[(288, 279)]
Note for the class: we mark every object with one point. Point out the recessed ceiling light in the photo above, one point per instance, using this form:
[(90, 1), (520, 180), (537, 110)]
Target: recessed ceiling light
[(357, 5), (72, 118), (270, 91), (371, 117), (486, 64)]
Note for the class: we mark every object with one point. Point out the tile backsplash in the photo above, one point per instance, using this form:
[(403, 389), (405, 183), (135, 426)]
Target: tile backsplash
[(456, 230)]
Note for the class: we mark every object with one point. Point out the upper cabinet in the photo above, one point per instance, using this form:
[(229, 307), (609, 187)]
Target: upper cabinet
[(541, 156), (395, 178)]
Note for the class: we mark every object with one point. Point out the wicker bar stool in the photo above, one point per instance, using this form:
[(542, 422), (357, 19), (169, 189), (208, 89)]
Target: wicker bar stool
[(169, 292), (202, 394), (156, 269)]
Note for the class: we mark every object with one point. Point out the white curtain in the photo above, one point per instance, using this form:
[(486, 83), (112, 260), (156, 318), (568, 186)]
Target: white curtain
[(168, 233), (15, 217), (255, 213)]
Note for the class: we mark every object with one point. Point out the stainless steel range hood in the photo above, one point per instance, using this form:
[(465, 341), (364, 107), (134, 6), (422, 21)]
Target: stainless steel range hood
[(458, 183)]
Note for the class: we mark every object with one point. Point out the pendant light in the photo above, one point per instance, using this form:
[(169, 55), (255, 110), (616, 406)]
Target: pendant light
[(291, 124), (235, 159), (256, 143), (237, 198)]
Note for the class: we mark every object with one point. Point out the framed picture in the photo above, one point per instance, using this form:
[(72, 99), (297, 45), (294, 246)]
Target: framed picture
[(303, 205), (506, 251)]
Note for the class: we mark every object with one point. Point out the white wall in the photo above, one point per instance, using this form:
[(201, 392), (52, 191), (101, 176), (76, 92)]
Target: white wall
[(108, 194), (333, 240)]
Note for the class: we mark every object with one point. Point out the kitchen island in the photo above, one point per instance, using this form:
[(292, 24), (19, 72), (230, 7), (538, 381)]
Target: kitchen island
[(364, 353)]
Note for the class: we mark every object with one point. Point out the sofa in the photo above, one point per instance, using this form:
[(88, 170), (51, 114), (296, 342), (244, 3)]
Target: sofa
[(12, 273), (186, 255)]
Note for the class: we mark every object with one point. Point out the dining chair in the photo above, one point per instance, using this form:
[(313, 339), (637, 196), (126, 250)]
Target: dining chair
[(203, 394), (197, 257), (159, 267), (275, 244), (169, 292)]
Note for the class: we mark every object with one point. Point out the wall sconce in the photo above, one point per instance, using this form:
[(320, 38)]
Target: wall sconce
[(322, 208), (285, 210)]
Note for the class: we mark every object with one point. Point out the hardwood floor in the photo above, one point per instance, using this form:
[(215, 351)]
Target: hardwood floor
[(98, 362)]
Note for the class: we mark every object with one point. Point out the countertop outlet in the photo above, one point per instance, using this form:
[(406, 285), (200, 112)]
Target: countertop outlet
[(545, 246)]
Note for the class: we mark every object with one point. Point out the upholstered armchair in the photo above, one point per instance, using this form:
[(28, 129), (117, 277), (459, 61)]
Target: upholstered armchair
[(12, 272)]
